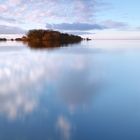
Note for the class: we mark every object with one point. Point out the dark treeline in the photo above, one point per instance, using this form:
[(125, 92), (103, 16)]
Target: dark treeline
[(39, 38), (50, 35), (48, 39), (3, 39)]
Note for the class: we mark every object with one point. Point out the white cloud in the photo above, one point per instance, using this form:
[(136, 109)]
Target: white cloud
[(5, 29), (32, 13), (3, 8)]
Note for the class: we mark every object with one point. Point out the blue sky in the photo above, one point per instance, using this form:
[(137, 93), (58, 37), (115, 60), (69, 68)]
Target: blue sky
[(98, 18), (122, 10)]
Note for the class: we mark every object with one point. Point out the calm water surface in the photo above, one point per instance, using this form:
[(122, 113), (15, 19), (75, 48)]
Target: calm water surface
[(87, 91)]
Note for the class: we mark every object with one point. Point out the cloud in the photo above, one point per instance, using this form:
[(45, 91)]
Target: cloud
[(114, 24), (14, 2), (79, 15), (75, 26), (35, 13), (11, 30), (8, 19), (3, 8), (109, 24), (80, 32), (137, 28)]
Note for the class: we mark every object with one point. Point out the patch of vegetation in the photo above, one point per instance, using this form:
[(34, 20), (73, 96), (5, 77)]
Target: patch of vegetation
[(50, 35), (48, 39), (3, 39)]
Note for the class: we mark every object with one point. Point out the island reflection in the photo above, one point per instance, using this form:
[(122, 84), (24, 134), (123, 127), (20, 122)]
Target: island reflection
[(48, 44)]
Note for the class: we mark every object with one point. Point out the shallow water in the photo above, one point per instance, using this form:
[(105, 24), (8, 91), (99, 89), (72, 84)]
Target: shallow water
[(86, 91)]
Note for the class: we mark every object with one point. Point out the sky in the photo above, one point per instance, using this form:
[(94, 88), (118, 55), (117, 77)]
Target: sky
[(100, 19)]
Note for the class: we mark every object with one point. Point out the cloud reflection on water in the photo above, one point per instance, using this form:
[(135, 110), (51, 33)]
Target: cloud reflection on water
[(77, 85), (24, 75), (64, 127), (18, 79)]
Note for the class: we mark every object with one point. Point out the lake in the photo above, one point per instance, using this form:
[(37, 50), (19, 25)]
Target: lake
[(85, 91)]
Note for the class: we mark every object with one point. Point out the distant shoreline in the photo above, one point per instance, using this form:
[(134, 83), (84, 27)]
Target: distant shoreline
[(39, 38), (40, 35)]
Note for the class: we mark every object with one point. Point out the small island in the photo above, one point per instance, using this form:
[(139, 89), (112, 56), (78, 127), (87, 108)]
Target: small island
[(39, 38)]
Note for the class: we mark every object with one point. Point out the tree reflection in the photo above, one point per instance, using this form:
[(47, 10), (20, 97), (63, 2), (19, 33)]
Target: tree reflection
[(48, 44)]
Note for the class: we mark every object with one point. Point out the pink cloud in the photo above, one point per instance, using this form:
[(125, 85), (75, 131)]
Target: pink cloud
[(3, 8)]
